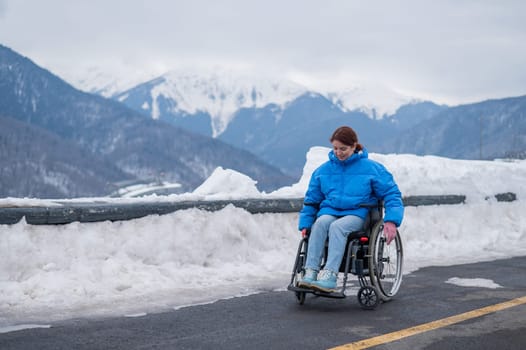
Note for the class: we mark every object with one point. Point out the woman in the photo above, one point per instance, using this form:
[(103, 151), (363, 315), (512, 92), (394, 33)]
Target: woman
[(331, 208)]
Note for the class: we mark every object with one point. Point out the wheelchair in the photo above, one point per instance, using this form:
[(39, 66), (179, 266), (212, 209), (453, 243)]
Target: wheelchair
[(378, 266)]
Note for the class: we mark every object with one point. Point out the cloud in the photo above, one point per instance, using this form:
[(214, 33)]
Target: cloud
[(3, 8)]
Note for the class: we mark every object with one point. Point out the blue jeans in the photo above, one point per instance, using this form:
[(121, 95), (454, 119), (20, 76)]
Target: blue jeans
[(337, 229)]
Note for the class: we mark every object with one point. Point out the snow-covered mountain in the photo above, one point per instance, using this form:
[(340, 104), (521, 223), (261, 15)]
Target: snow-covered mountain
[(97, 80), (375, 100), (220, 93)]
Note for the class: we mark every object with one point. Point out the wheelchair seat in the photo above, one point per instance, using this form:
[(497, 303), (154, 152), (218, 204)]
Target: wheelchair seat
[(372, 218)]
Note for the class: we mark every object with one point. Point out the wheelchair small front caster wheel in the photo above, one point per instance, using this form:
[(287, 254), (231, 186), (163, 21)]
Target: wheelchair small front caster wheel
[(301, 297), (368, 297)]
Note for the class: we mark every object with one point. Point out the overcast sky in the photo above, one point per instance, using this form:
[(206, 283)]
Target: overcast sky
[(452, 51)]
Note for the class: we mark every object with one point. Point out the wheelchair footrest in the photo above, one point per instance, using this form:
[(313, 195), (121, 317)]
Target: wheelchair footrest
[(337, 295)]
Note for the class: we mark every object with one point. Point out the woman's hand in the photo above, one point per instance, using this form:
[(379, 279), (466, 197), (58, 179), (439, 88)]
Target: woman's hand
[(389, 231), (304, 233)]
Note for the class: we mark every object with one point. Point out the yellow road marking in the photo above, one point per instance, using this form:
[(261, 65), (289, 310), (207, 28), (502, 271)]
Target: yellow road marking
[(390, 337)]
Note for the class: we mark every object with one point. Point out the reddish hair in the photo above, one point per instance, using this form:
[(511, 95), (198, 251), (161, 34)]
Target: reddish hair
[(347, 136)]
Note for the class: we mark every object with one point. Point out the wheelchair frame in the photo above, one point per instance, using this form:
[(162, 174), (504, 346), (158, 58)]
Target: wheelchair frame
[(377, 265)]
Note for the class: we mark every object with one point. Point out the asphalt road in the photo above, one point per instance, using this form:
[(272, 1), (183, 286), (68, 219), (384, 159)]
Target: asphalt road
[(274, 320)]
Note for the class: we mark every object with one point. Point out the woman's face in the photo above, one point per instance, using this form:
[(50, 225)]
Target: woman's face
[(342, 151)]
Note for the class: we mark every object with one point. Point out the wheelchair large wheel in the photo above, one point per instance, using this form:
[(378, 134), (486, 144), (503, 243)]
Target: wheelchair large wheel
[(385, 262)]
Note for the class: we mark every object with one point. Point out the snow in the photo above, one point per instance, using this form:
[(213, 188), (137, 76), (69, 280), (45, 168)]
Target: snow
[(142, 189), (474, 282), (222, 183), (22, 326), (155, 263)]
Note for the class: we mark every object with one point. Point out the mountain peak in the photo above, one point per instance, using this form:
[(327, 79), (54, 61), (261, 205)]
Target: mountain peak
[(221, 93), (375, 100)]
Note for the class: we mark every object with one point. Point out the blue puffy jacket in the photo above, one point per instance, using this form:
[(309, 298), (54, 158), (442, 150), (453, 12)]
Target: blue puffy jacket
[(339, 187)]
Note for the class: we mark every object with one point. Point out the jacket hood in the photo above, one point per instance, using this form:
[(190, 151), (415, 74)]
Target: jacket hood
[(355, 156)]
